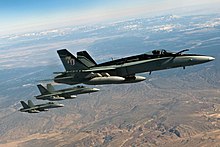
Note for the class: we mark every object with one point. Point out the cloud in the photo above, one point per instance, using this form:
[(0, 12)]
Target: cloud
[(39, 48), (38, 54), (106, 11), (167, 27)]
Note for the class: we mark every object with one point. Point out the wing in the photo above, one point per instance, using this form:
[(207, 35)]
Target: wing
[(30, 110), (96, 70), (99, 69), (53, 96), (57, 94)]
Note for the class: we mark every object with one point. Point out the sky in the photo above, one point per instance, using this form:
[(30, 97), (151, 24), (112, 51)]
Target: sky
[(29, 15)]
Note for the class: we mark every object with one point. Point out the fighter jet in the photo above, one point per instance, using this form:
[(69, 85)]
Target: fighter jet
[(51, 94), (84, 69), (31, 108)]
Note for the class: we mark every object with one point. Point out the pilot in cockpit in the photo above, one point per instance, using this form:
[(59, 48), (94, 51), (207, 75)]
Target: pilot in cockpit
[(159, 52), (156, 52), (164, 52)]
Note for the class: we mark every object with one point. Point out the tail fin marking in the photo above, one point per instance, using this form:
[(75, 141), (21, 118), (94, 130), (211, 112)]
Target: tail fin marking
[(69, 61)]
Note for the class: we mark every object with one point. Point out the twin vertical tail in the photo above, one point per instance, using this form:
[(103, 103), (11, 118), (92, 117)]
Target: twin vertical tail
[(25, 106), (50, 88), (70, 62), (86, 59), (43, 90), (30, 103)]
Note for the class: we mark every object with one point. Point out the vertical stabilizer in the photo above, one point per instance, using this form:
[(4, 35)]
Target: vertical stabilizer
[(42, 89), (50, 88), (25, 106), (69, 61), (86, 59), (30, 103)]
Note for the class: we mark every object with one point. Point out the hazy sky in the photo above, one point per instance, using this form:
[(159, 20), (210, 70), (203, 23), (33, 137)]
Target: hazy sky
[(28, 15)]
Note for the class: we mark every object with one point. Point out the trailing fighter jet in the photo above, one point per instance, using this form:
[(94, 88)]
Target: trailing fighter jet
[(51, 94), (84, 69), (31, 108)]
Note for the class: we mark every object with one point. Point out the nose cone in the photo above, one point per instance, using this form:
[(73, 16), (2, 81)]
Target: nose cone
[(205, 58), (95, 89), (211, 58), (60, 105), (201, 59)]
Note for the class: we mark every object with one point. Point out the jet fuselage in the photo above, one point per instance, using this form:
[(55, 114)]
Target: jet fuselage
[(122, 70), (68, 93), (31, 108)]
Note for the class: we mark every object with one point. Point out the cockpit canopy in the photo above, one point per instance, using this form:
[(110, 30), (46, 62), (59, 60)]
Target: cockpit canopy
[(80, 86), (158, 52), (51, 103), (164, 52)]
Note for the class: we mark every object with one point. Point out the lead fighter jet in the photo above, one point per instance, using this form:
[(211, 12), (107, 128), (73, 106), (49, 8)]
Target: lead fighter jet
[(84, 69), (51, 94), (31, 108)]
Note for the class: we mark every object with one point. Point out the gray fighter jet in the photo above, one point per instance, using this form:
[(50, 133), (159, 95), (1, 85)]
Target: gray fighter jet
[(84, 69), (31, 108), (51, 94)]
